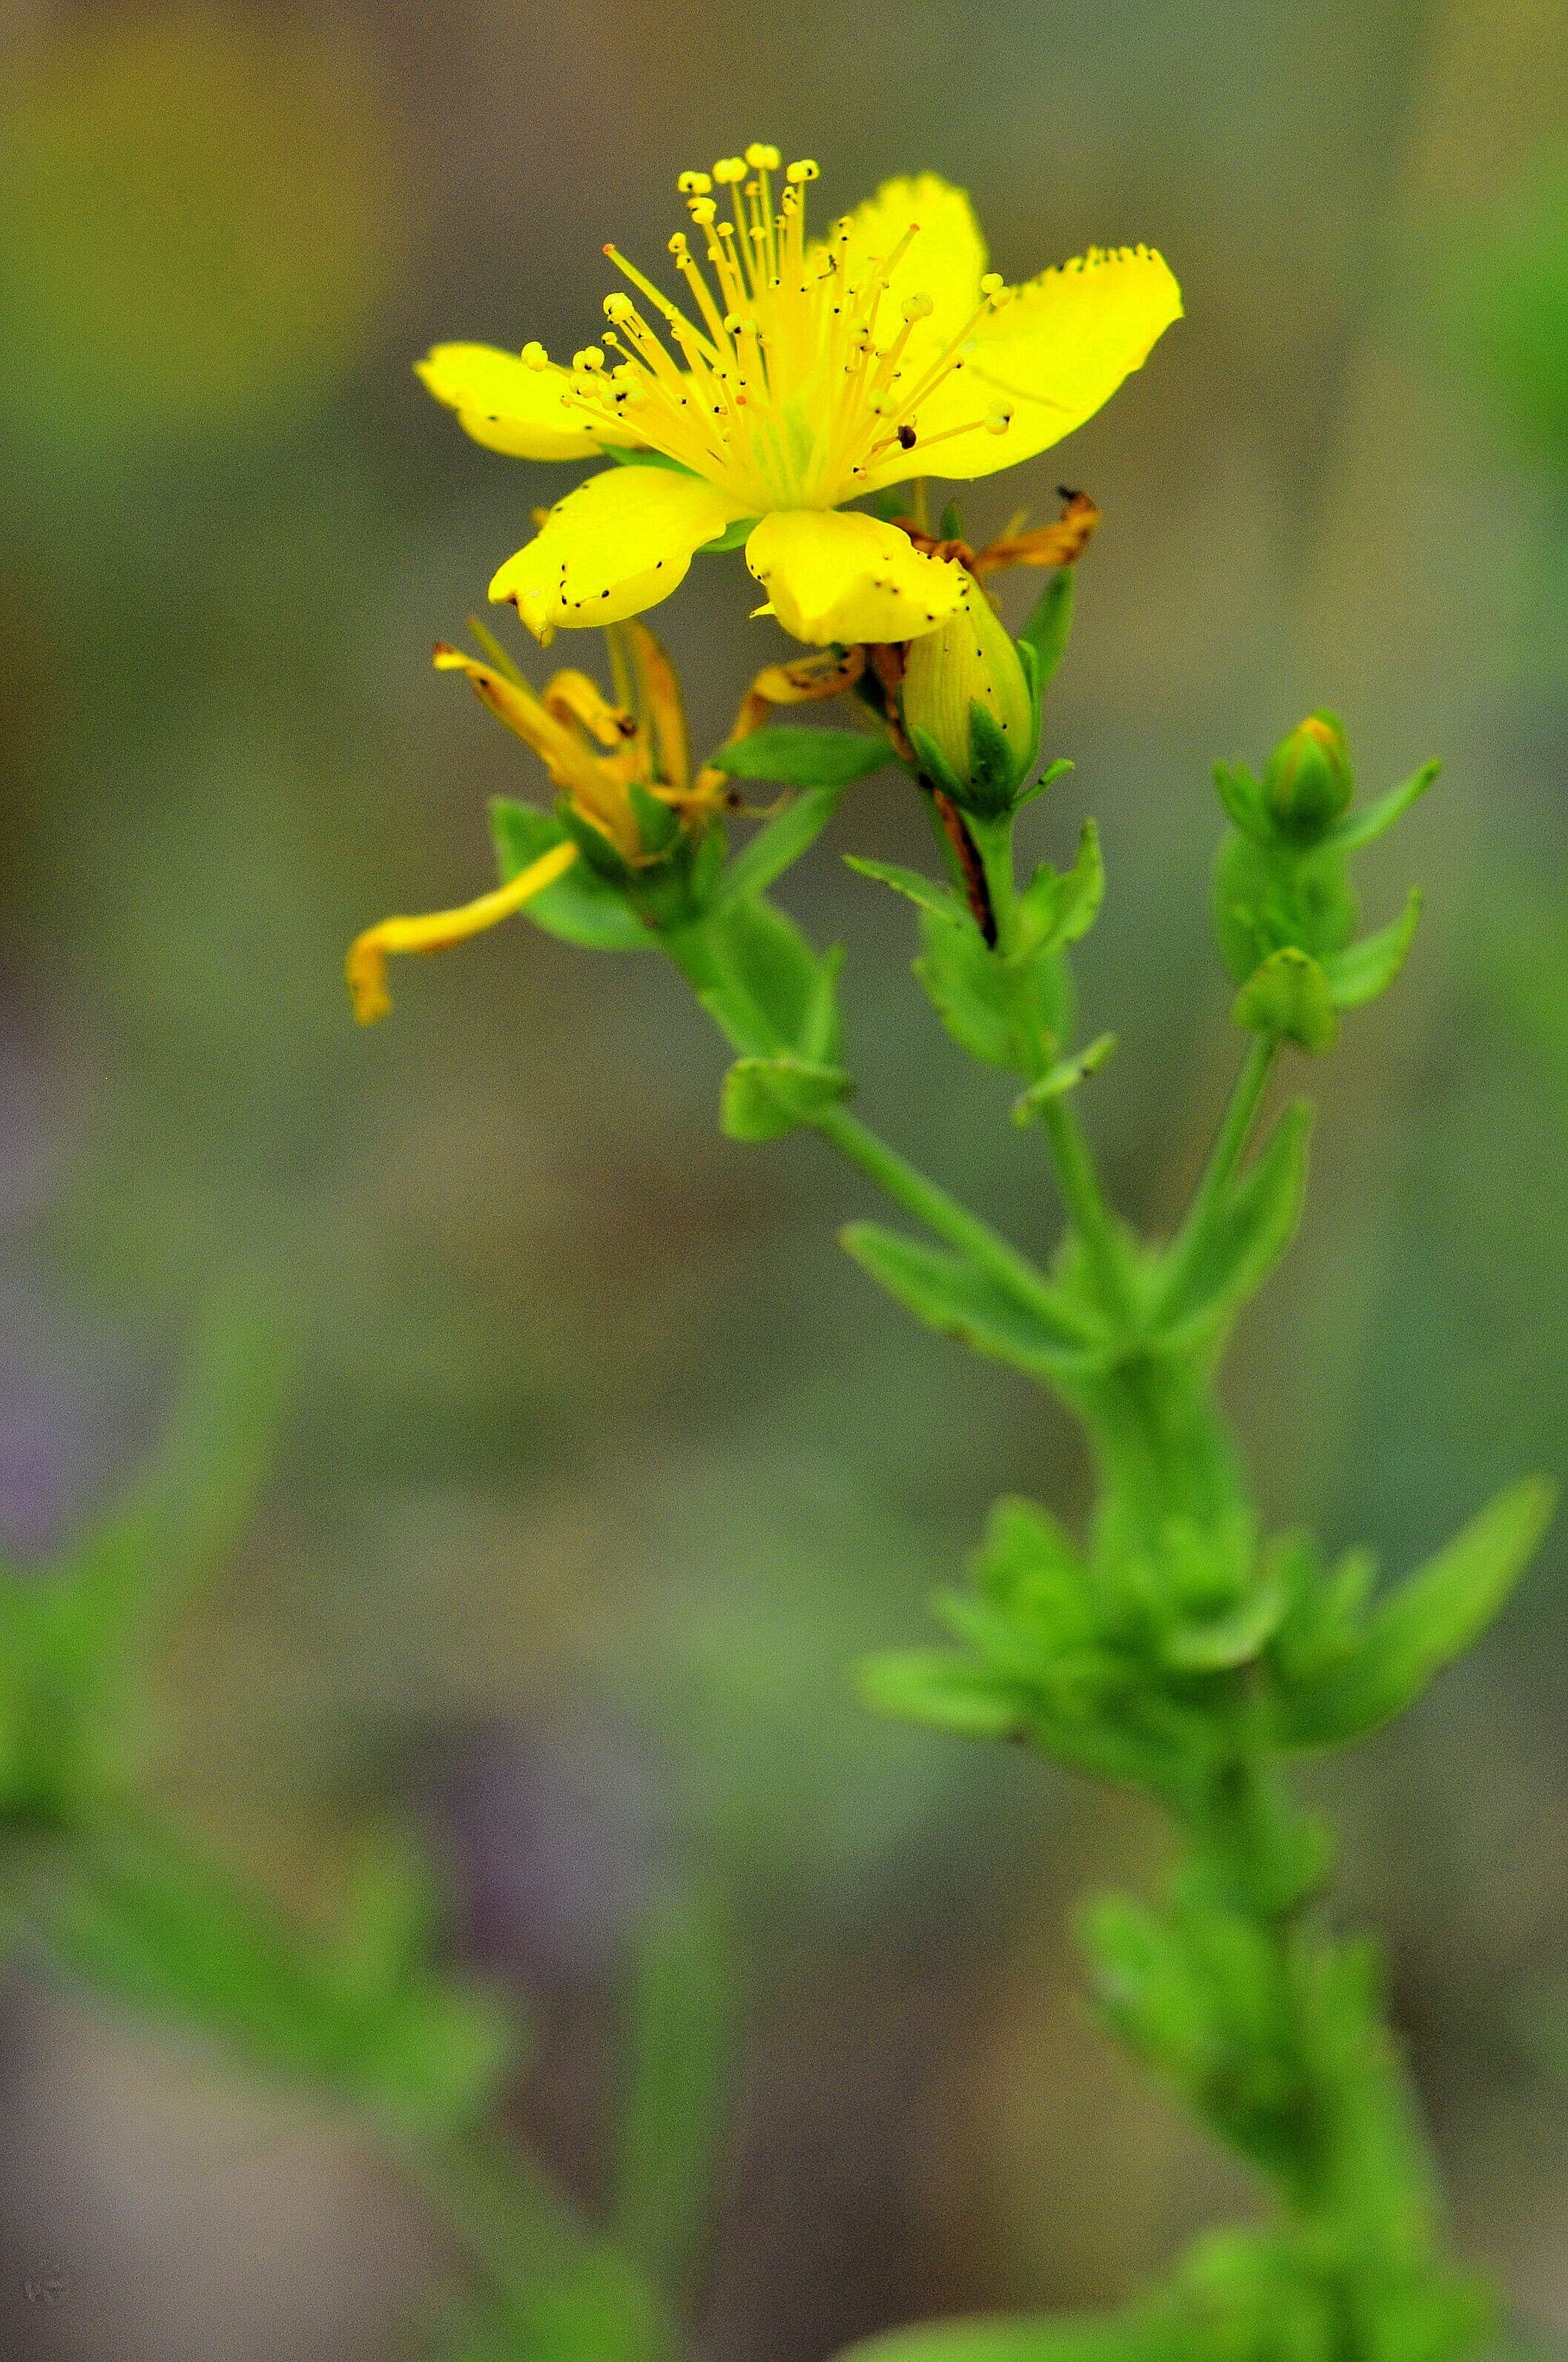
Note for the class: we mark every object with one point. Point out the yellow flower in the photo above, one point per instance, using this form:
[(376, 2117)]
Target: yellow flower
[(802, 374)]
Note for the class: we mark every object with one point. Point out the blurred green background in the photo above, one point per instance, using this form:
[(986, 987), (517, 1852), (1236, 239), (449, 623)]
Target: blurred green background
[(602, 1466)]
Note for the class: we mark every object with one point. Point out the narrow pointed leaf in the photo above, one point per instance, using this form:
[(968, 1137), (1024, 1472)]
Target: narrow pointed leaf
[(1050, 624), (797, 756), (1365, 969), (1254, 1229), (947, 1690), (926, 891), (1374, 819), (953, 1297), (779, 842), (1064, 1075), (1426, 1621)]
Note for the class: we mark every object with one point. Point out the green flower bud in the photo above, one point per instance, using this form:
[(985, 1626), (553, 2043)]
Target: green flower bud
[(969, 703), (1308, 782)]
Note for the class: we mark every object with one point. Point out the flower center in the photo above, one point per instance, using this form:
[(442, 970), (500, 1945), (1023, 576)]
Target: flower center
[(794, 384)]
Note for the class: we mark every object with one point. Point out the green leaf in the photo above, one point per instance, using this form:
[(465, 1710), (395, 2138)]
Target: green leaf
[(764, 1098), (775, 992), (680, 2022), (152, 1919), (1374, 819), (1059, 907), (1289, 999), (946, 1689), (1426, 1621), (1242, 795), (1050, 623), (1132, 2338), (1251, 1231), (799, 757), (657, 824), (953, 1297), (779, 842), (1367, 969), (914, 883), (1235, 1639), (580, 908), (1064, 1075), (994, 1009)]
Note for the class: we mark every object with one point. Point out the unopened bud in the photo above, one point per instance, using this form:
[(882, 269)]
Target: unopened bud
[(969, 663), (1307, 781)]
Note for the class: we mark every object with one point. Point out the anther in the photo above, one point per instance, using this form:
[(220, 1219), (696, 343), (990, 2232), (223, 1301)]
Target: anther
[(694, 184), (992, 283), (919, 307), (806, 169), (998, 422), (729, 169), (535, 355), (702, 210), (591, 358), (677, 246), (761, 157), (619, 308)]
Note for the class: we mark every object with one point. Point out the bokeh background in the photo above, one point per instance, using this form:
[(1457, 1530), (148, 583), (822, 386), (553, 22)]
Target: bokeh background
[(601, 1465)]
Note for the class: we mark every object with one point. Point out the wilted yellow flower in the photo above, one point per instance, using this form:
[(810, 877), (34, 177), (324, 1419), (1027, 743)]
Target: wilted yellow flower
[(595, 754), (804, 373)]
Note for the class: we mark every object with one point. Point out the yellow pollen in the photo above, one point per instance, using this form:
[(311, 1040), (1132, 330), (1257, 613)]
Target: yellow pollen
[(535, 355), (728, 169), (761, 157), (694, 184), (806, 169)]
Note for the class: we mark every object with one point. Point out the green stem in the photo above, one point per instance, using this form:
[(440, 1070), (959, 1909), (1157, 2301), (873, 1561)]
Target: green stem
[(1086, 1210)]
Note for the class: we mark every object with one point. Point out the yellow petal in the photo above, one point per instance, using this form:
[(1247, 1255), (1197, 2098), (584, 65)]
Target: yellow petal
[(619, 543), (836, 574), (1051, 355), (944, 259), (569, 761), (437, 931), (508, 406)]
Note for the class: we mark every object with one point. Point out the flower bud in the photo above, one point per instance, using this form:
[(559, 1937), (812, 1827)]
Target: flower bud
[(969, 700), (1307, 781)]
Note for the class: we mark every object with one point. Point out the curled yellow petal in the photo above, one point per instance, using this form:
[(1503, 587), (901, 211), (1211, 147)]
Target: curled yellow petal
[(437, 931)]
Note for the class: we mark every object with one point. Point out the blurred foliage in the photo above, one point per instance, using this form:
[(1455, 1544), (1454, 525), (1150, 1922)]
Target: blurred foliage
[(197, 222)]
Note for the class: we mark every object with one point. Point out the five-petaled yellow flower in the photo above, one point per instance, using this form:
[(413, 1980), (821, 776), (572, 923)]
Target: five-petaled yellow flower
[(804, 373)]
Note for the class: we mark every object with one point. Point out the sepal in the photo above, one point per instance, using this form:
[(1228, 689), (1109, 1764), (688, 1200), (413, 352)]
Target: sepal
[(1288, 1000), (764, 1098), (584, 907)]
